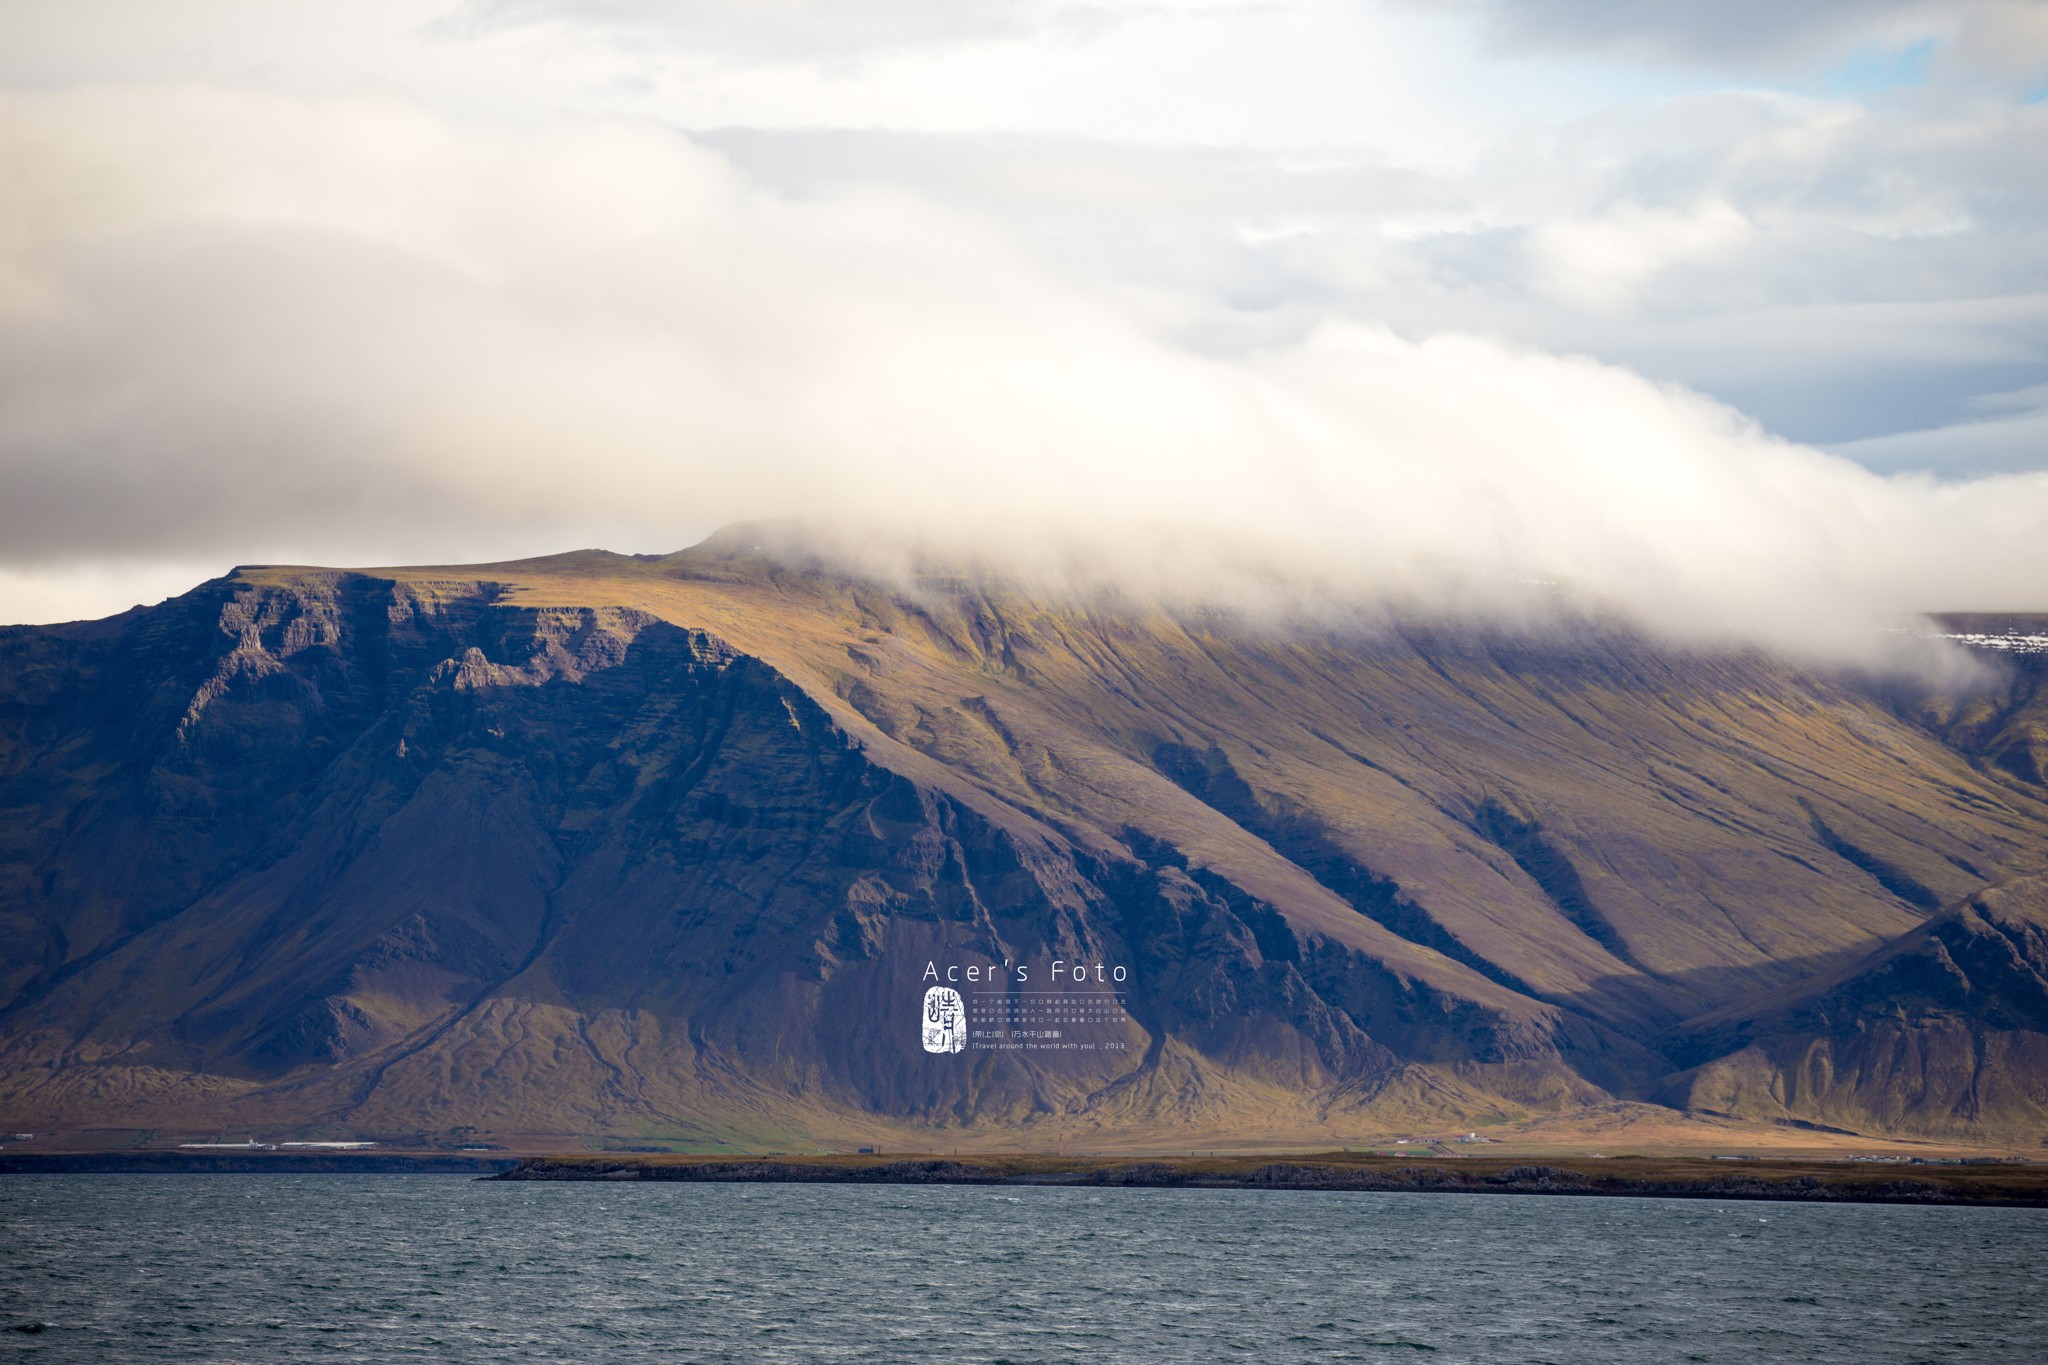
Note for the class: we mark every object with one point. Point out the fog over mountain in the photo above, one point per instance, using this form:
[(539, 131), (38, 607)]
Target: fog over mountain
[(1483, 557), (422, 283)]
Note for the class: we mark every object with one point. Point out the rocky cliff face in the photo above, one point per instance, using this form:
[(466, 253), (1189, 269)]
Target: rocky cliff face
[(671, 849), (1942, 1031)]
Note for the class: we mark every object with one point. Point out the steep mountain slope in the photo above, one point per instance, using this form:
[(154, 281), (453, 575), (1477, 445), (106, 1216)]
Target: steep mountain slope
[(672, 848), (1944, 1031)]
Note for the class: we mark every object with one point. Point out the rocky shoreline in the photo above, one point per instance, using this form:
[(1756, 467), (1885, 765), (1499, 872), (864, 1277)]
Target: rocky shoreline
[(1680, 1178)]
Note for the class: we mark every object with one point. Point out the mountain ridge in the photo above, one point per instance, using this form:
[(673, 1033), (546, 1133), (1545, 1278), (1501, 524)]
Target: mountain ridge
[(623, 846)]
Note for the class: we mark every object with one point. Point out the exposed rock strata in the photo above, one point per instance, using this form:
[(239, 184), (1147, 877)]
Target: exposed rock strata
[(599, 846)]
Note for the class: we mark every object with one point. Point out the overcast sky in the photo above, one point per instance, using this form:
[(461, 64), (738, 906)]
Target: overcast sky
[(1701, 301)]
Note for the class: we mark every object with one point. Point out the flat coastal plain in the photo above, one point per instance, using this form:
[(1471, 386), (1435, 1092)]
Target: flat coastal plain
[(1890, 1180)]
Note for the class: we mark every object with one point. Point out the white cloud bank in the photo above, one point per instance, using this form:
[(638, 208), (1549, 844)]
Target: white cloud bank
[(276, 329)]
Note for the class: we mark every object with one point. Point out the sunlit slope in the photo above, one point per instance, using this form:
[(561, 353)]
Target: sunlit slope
[(1635, 830), (595, 845), (1944, 1030)]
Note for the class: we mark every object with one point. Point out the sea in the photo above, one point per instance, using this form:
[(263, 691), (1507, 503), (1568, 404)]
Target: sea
[(337, 1268)]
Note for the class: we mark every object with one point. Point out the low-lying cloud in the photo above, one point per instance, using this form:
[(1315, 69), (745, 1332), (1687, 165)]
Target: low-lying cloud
[(267, 329)]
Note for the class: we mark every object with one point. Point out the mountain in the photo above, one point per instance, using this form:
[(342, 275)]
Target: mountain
[(671, 850), (1942, 1031)]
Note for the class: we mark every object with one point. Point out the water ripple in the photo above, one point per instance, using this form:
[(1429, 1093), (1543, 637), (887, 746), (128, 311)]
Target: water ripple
[(376, 1269)]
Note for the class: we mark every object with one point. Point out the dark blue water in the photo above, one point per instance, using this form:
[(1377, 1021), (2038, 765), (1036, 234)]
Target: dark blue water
[(386, 1268)]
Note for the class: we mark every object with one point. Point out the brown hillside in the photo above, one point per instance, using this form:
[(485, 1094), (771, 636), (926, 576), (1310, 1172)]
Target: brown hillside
[(659, 849)]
